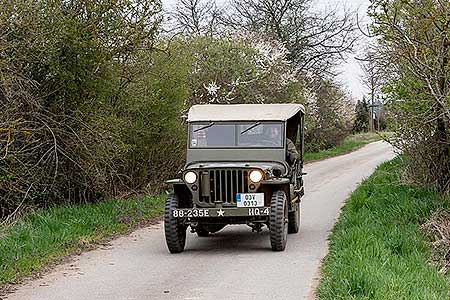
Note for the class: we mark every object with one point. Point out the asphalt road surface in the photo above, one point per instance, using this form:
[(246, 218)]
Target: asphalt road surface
[(232, 264)]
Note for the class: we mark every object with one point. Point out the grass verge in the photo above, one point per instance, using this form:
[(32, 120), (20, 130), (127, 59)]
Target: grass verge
[(44, 237), (377, 249), (351, 143)]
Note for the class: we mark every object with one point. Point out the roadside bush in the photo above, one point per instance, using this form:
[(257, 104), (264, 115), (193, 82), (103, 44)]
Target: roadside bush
[(414, 42), (64, 66)]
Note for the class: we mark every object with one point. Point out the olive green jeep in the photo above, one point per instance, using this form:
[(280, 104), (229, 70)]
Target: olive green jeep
[(242, 167)]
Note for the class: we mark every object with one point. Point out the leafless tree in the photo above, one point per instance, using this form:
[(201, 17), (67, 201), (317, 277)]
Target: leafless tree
[(316, 41), (196, 17), (372, 79)]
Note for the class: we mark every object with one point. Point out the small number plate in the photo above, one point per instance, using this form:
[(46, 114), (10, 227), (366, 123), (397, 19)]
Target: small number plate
[(250, 200)]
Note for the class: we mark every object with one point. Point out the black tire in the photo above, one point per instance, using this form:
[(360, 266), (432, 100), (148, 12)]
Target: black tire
[(175, 231), (278, 221), (294, 219), (202, 232)]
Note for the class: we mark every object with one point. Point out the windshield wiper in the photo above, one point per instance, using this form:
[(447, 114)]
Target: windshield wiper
[(204, 127), (250, 128)]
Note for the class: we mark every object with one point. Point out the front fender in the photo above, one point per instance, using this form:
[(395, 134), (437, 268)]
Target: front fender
[(172, 184)]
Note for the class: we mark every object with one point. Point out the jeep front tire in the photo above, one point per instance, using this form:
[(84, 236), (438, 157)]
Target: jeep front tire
[(174, 230), (278, 221)]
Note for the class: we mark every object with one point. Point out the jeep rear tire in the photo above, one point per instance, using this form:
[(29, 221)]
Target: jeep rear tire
[(174, 230), (294, 219), (278, 221)]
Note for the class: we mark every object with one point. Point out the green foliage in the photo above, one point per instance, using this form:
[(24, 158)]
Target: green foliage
[(64, 68), (377, 250), (242, 70)]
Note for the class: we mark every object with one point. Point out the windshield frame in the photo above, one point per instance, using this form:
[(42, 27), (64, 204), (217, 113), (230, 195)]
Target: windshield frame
[(236, 134)]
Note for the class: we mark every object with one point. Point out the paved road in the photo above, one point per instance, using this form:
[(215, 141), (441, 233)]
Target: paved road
[(233, 264)]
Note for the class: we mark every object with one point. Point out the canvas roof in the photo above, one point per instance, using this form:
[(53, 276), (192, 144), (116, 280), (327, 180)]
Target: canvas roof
[(243, 112)]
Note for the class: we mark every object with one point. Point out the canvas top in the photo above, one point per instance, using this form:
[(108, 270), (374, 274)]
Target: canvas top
[(243, 112)]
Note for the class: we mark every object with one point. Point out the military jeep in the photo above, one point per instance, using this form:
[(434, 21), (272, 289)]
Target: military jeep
[(242, 167)]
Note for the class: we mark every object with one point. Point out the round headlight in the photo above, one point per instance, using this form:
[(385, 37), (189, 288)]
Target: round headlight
[(190, 177), (256, 176)]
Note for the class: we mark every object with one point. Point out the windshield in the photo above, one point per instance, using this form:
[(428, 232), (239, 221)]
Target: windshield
[(239, 135)]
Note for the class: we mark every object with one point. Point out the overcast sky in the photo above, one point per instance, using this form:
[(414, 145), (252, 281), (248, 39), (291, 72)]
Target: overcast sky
[(350, 71)]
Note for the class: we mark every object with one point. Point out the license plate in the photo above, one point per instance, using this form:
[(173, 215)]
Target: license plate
[(250, 199)]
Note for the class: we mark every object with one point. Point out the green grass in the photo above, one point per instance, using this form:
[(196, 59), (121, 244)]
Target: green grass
[(377, 250), (43, 237), (350, 144)]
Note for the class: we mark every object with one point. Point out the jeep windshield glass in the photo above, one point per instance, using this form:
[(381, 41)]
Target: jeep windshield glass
[(236, 135)]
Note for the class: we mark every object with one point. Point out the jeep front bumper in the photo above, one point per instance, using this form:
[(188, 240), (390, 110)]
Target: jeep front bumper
[(220, 212)]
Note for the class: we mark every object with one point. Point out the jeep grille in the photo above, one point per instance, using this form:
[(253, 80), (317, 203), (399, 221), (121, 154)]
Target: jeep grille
[(222, 185)]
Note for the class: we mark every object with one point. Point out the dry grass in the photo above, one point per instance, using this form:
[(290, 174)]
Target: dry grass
[(438, 229)]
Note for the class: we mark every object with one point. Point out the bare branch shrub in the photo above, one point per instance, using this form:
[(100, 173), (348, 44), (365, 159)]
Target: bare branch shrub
[(63, 70)]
